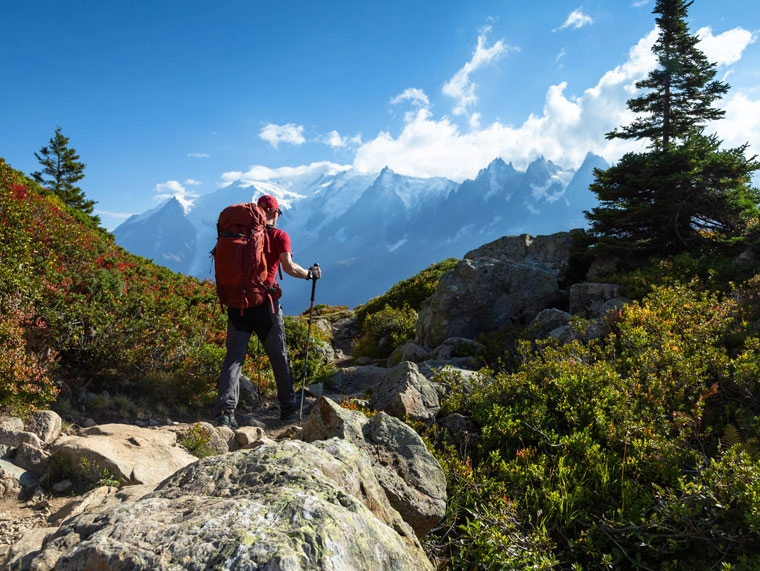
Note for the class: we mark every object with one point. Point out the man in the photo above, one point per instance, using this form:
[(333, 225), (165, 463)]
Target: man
[(267, 323)]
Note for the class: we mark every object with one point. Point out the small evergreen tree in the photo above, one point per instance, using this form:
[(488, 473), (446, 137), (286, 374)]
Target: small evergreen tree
[(62, 170), (685, 189), (682, 89)]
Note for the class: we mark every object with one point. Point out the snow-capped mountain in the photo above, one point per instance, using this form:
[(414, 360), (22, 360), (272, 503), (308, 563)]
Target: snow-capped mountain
[(370, 231), (163, 234)]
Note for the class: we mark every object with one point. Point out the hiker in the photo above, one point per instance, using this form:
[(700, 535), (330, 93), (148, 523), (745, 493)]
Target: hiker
[(266, 321)]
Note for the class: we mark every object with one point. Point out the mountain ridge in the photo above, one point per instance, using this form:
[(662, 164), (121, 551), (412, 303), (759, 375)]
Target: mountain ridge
[(354, 223)]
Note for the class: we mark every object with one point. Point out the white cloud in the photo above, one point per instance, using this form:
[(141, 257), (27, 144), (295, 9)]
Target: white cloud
[(199, 155), (337, 141), (415, 96), (425, 147), (576, 19), (741, 123), (460, 86), (178, 190), (289, 133), (111, 214), (567, 128), (725, 48), (564, 132), (260, 173)]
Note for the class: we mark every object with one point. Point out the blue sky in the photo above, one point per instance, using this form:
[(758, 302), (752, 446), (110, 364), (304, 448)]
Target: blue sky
[(163, 97)]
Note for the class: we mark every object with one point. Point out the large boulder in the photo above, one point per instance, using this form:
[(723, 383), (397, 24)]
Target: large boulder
[(482, 295), (405, 393), (12, 437), (410, 475), (552, 252), (132, 454), (354, 380), (289, 505)]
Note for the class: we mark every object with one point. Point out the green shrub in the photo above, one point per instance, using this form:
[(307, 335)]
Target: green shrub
[(85, 313), (388, 321), (713, 269), (320, 362), (482, 528), (94, 475), (385, 330), (197, 441), (410, 292), (709, 515), (25, 371), (636, 450)]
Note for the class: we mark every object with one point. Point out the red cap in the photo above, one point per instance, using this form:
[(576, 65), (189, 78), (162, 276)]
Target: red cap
[(269, 202)]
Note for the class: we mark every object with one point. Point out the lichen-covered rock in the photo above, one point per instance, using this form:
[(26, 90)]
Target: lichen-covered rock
[(284, 506), (415, 483), (410, 475)]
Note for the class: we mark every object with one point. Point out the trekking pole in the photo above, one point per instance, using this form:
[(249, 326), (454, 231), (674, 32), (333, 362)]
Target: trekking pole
[(308, 339)]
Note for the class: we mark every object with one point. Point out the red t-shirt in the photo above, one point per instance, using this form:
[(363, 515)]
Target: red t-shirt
[(279, 242)]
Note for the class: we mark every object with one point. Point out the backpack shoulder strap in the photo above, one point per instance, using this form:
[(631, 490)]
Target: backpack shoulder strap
[(268, 246)]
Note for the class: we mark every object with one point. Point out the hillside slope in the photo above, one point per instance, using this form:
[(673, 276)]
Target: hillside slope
[(76, 309)]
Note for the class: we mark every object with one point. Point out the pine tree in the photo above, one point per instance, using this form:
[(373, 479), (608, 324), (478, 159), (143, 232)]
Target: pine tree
[(682, 89), (686, 189), (62, 170)]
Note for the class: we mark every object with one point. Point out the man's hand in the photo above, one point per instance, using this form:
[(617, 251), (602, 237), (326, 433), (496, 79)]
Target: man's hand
[(315, 272)]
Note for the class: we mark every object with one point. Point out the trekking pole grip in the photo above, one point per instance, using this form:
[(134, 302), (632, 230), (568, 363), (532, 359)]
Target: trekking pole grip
[(313, 282)]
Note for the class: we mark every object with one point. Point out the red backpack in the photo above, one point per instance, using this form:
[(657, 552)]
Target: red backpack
[(240, 265)]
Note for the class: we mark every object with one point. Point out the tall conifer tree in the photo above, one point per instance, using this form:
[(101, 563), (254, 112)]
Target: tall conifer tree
[(61, 171), (686, 189)]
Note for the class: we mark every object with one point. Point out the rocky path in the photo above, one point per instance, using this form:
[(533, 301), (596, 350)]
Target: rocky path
[(18, 513), (17, 516)]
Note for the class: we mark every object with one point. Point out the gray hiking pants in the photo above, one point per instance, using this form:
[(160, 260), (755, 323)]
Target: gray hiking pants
[(270, 329)]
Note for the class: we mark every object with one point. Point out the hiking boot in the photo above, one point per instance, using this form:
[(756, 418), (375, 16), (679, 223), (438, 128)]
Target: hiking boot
[(227, 419)]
